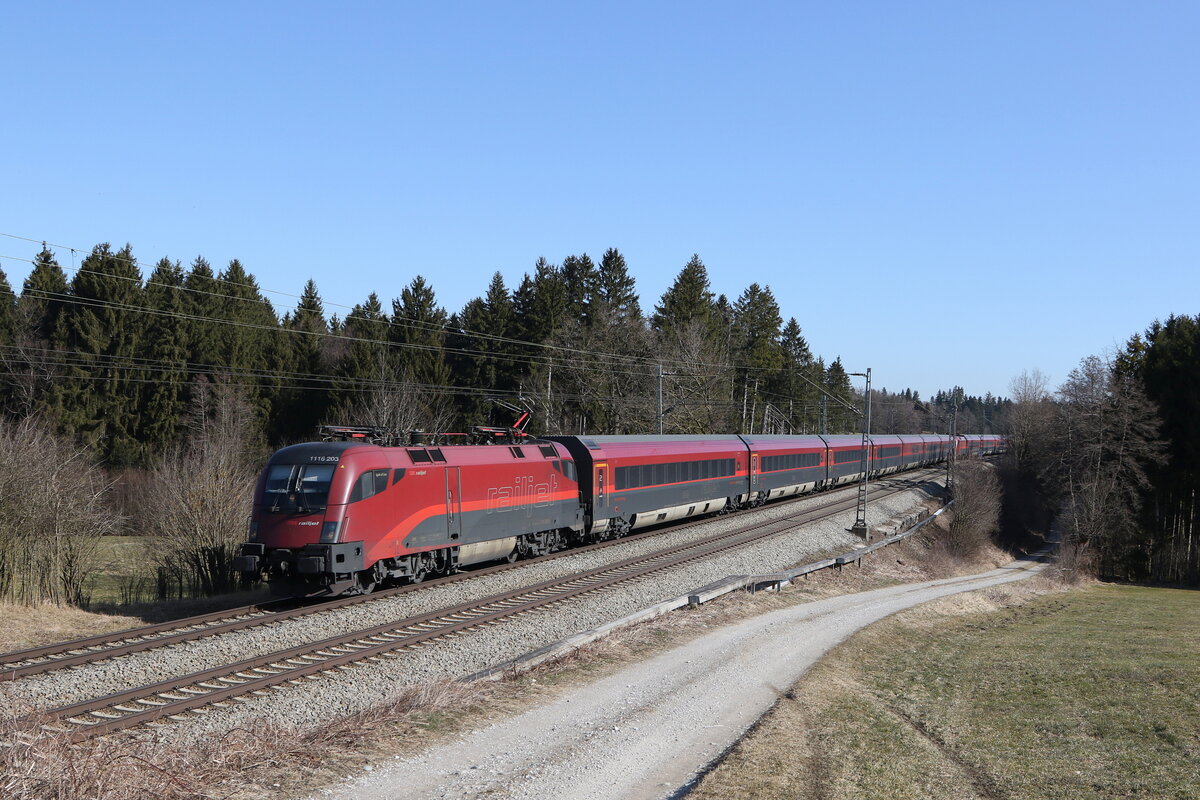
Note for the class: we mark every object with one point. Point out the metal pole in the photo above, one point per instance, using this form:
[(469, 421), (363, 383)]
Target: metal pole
[(953, 444), (660, 402), (860, 521)]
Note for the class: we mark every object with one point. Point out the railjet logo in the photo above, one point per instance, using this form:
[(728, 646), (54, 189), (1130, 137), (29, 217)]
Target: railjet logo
[(525, 492)]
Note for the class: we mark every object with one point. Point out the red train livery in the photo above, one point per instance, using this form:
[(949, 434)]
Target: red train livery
[(337, 517)]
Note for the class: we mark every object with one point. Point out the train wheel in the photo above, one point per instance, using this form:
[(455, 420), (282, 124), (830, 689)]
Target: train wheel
[(512, 557)]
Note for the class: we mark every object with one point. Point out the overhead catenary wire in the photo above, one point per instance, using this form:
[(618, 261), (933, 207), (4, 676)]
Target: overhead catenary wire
[(428, 327)]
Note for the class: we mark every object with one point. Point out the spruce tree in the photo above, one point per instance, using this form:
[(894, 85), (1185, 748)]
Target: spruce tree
[(8, 311), (43, 297), (800, 379), (689, 298), (102, 331), (365, 360), (166, 349), (8, 329), (482, 361), (247, 343), (837, 382), (419, 331), (204, 306), (579, 277), (615, 293), (307, 403)]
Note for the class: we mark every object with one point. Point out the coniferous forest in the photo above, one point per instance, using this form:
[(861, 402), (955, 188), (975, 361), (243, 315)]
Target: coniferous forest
[(120, 362)]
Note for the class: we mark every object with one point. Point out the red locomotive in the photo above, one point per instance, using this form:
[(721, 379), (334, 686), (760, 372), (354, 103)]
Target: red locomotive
[(345, 514)]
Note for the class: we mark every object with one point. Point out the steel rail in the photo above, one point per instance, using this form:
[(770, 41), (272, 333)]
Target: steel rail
[(47, 658), (175, 696)]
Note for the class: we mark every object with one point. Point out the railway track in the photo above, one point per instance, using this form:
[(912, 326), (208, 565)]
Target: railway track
[(47, 658), (200, 692)]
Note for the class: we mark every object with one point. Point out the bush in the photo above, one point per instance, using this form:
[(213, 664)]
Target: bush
[(976, 507), (53, 508)]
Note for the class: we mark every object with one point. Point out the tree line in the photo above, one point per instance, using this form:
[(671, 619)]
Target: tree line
[(147, 403), (1114, 455), (115, 361)]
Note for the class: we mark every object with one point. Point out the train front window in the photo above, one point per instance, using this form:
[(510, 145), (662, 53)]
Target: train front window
[(298, 487)]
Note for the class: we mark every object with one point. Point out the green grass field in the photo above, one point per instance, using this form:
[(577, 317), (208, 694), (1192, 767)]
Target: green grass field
[(1093, 693), (118, 560)]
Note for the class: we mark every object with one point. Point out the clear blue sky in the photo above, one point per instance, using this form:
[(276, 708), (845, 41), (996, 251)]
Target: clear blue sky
[(1003, 185)]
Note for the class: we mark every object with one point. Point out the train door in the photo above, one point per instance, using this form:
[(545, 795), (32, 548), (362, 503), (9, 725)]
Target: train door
[(754, 472), (602, 490), (453, 502)]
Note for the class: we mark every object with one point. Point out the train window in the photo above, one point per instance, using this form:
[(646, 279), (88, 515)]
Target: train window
[(397, 476), (590, 444), (419, 456), (436, 454), (369, 484), (548, 450), (569, 471), (621, 480), (298, 487), (846, 456), (517, 452)]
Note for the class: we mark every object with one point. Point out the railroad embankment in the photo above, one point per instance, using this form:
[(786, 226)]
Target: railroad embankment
[(272, 758), (1009, 692)]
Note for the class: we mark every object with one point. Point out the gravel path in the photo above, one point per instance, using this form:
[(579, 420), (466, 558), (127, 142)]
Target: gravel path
[(361, 686), (649, 730)]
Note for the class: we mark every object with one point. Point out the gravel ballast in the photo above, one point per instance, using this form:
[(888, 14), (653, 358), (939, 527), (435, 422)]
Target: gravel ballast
[(355, 688)]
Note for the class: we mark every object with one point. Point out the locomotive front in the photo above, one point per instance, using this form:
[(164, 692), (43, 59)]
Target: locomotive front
[(297, 525)]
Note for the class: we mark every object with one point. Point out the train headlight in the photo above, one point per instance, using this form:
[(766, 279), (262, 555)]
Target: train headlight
[(329, 532)]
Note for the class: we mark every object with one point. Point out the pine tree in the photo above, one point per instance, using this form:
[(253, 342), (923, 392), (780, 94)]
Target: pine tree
[(837, 382), (616, 296), (483, 361), (166, 349), (579, 278), (8, 330), (689, 298), (801, 376), (757, 352), (8, 312), (205, 332), (43, 297), (419, 329), (34, 361), (365, 360), (248, 342), (306, 338), (100, 399)]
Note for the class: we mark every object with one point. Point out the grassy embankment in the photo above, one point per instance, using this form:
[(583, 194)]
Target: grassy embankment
[(1093, 693)]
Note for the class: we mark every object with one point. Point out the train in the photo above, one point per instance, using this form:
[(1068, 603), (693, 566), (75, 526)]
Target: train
[(361, 507)]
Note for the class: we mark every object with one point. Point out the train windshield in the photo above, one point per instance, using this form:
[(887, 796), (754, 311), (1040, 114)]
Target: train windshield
[(298, 487)]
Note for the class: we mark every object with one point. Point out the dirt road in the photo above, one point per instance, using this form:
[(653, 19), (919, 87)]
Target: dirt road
[(649, 730)]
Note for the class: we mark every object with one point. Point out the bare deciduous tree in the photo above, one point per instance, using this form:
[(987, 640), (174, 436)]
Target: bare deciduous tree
[(198, 497), (976, 506)]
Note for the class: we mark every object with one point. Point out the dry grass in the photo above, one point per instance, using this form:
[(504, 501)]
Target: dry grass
[(251, 763), (22, 626)]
